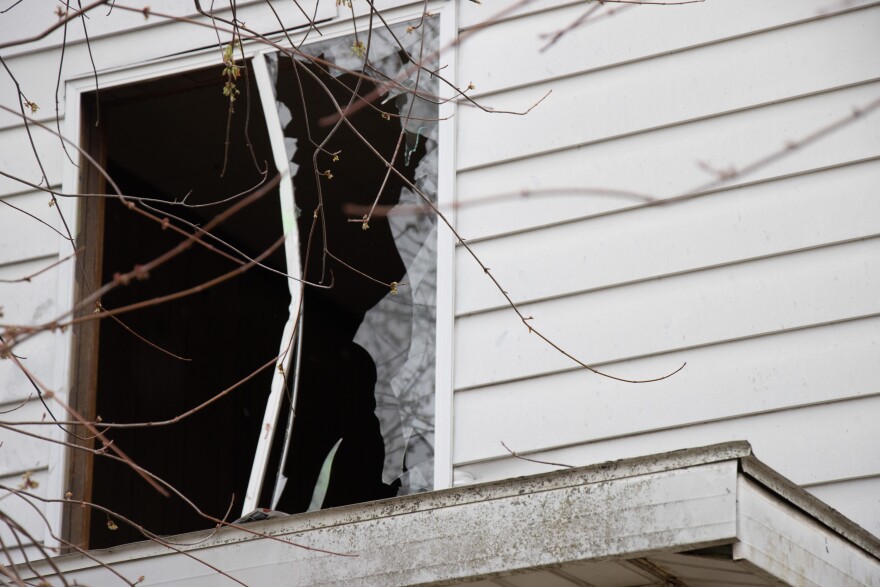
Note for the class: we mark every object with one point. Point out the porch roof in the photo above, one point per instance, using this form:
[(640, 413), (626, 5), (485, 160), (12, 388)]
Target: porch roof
[(706, 516)]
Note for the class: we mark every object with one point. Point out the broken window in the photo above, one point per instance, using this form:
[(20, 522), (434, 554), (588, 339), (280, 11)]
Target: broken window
[(357, 363), (366, 374)]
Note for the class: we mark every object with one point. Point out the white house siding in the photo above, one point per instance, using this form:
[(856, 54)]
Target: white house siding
[(26, 246), (767, 285)]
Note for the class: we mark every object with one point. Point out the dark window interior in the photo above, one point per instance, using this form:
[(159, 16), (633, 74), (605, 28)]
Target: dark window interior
[(338, 377), (163, 140), (366, 370)]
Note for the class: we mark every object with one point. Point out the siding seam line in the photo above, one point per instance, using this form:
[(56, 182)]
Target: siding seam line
[(683, 122), (21, 472), (23, 260), (24, 192), (681, 426), (670, 200), (660, 353), (718, 41), (488, 24), (841, 480), (672, 274)]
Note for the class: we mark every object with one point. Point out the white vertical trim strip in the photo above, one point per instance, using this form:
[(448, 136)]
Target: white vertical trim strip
[(443, 415), (291, 251), (59, 456)]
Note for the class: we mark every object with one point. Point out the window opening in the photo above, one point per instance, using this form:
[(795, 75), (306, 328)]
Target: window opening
[(367, 368), (366, 360), (162, 139)]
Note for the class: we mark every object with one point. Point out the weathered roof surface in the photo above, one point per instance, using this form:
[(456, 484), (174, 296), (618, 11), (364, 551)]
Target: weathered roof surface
[(707, 516)]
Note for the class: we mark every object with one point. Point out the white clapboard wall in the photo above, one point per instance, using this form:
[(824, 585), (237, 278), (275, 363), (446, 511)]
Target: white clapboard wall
[(767, 286)]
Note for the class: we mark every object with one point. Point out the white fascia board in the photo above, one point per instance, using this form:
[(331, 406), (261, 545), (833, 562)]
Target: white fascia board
[(623, 510), (810, 505), (779, 539)]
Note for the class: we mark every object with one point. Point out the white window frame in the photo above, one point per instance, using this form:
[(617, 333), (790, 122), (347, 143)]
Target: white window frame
[(75, 87)]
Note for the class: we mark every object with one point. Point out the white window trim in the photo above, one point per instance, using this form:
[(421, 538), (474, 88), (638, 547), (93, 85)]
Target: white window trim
[(294, 267), (75, 87)]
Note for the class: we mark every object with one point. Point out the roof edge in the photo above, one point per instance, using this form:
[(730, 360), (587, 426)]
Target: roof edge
[(810, 505)]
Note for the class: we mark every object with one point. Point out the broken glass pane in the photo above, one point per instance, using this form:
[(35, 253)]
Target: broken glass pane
[(366, 374)]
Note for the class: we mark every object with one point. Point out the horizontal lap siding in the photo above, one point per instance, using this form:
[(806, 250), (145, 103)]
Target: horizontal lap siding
[(117, 40), (679, 312), (810, 445), (31, 227), (530, 59), (30, 241), (760, 13), (665, 163), (38, 357), (27, 303), (721, 381), (720, 228), (30, 451), (491, 11), (170, 17), (739, 73), (855, 498), (25, 511), (768, 285), (17, 158)]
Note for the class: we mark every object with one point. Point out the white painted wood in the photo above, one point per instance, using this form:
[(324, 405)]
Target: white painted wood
[(25, 511), (514, 48), (17, 158), (59, 456), (725, 227), (594, 522), (665, 163), (35, 86), (685, 311), (857, 499), (123, 38), (488, 10), (25, 236), (762, 14), (446, 265), (671, 89), (14, 385), (392, 10), (795, 548), (461, 533), (27, 303), (24, 22), (742, 378), (265, 86), (134, 41), (573, 415), (29, 453), (804, 445)]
